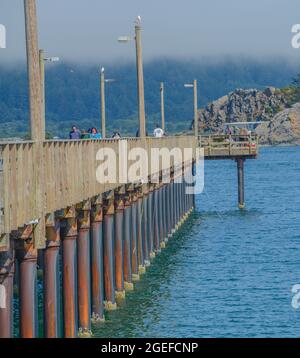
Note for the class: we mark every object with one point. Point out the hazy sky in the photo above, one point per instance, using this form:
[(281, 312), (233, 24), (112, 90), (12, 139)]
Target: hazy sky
[(87, 30)]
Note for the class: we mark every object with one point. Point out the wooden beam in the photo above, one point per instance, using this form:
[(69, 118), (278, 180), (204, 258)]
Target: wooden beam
[(35, 93)]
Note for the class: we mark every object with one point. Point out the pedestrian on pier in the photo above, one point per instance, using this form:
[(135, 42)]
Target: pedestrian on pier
[(158, 132), (116, 135), (75, 133), (95, 134)]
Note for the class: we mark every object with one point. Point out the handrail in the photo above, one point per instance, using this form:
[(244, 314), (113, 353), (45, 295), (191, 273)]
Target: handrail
[(225, 145), (69, 170)]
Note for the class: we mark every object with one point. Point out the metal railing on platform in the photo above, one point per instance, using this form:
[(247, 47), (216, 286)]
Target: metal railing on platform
[(229, 145)]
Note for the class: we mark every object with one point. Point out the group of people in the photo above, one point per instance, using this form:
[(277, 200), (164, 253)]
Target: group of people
[(93, 133)]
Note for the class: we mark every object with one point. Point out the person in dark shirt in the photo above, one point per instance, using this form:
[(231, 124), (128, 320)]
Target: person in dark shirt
[(116, 135), (75, 133)]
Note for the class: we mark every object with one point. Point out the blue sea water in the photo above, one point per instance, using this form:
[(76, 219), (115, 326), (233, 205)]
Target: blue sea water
[(226, 273)]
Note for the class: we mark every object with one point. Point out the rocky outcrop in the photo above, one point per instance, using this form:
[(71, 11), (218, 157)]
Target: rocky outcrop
[(281, 124), (250, 105), (284, 128)]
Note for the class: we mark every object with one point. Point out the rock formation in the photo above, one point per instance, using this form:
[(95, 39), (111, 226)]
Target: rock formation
[(282, 124), (249, 105), (284, 128)]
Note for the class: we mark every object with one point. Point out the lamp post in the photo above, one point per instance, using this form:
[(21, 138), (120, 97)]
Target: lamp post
[(103, 106), (194, 85), (140, 74), (162, 104), (42, 60)]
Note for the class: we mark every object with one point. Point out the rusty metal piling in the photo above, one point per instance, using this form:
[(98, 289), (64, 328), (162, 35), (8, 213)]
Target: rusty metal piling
[(134, 245), (109, 275), (69, 273), (27, 258), (7, 268), (119, 244), (83, 264), (140, 248), (240, 171), (97, 260), (128, 284), (145, 224), (150, 222), (51, 279)]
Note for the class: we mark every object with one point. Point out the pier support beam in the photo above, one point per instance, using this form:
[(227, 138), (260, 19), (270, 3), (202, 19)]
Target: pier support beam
[(169, 210), (27, 257), (108, 240), (164, 216), (69, 236), (140, 247), (128, 285), (150, 223), (134, 245), (97, 261), (172, 207), (83, 269), (119, 244), (51, 278), (7, 268), (145, 225), (156, 219), (161, 216), (240, 171)]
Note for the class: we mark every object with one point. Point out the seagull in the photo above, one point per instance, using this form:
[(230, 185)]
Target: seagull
[(138, 20), (102, 69)]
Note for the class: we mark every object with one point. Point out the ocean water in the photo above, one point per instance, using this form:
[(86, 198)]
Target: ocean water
[(226, 273)]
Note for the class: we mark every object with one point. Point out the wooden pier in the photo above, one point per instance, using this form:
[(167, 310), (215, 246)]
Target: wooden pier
[(89, 239), (105, 233)]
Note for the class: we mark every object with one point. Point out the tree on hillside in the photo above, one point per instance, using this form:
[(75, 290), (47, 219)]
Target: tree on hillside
[(296, 88)]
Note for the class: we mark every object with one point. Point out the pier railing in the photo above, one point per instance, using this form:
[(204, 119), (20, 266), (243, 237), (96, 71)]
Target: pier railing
[(67, 176), (224, 146)]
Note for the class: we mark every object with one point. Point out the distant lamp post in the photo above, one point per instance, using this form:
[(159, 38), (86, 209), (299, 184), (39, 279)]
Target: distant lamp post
[(194, 85), (162, 105), (43, 60), (103, 109), (140, 73)]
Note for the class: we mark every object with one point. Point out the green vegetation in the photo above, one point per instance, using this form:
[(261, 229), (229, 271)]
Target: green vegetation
[(72, 93), (292, 92)]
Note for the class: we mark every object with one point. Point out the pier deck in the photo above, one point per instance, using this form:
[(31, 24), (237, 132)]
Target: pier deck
[(229, 146)]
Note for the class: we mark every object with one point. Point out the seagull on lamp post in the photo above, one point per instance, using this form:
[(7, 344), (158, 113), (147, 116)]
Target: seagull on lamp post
[(138, 21)]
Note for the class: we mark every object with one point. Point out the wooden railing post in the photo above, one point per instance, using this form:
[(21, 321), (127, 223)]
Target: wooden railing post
[(37, 124)]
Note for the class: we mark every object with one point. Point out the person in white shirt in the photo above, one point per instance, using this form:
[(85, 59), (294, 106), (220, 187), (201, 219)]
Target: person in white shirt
[(158, 132)]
